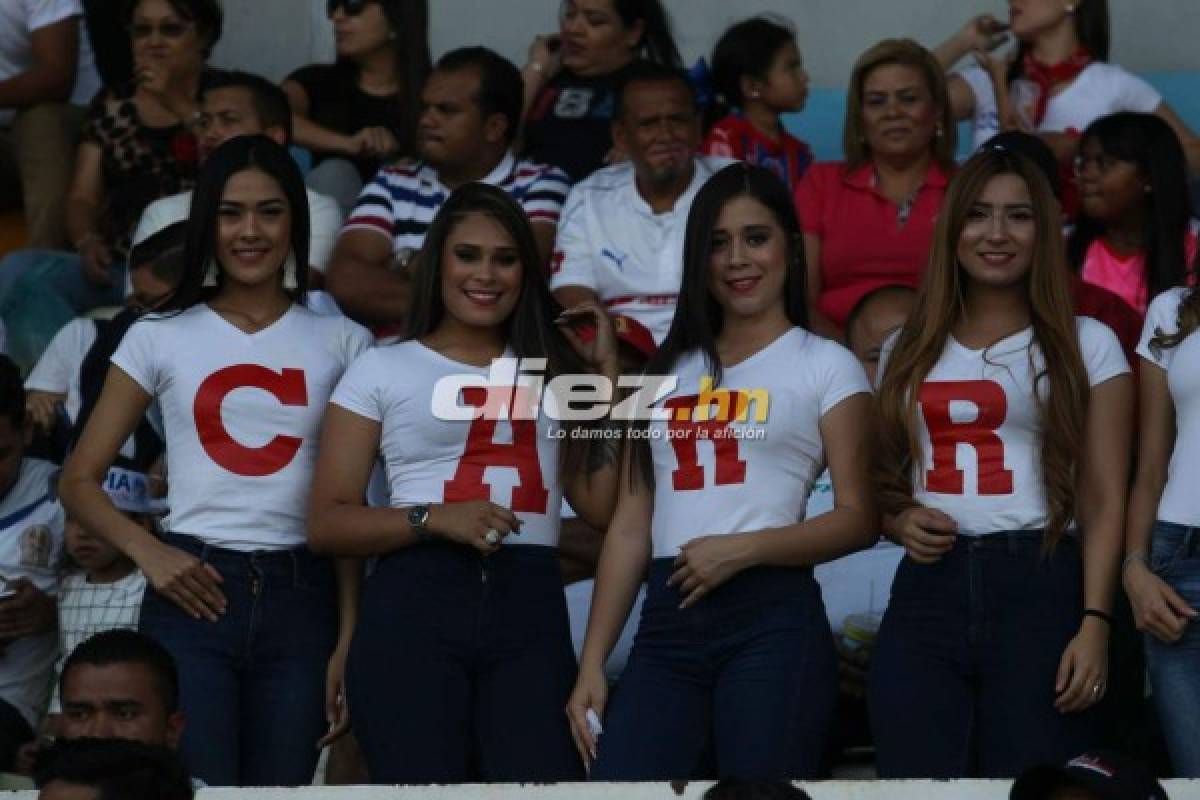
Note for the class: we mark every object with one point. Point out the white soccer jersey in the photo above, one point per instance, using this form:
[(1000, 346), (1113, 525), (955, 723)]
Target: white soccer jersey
[(747, 474), (1180, 502), (979, 425), (512, 463), (610, 241), (242, 412)]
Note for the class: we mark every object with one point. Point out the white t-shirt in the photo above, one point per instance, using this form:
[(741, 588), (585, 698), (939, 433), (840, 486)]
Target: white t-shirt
[(1180, 501), (57, 371), (241, 413), (1100, 89), (980, 407), (512, 463), (18, 20), (324, 221), (31, 541), (610, 241), (752, 473)]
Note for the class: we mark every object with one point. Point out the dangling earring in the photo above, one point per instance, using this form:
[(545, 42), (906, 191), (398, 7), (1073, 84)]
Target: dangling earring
[(211, 272), (289, 271), (939, 132)]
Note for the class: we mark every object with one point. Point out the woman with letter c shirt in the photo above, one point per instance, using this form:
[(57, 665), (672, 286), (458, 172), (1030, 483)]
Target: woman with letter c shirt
[(733, 647), (241, 372), (462, 648), (1003, 421)]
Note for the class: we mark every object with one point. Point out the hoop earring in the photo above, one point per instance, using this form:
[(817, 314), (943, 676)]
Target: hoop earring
[(289, 271)]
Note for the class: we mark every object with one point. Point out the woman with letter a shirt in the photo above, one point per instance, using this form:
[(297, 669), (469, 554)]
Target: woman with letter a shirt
[(1004, 420), (1162, 561), (733, 648), (241, 372), (462, 656)]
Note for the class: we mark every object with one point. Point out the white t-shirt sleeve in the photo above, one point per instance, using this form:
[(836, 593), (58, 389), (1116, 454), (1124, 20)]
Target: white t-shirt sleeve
[(572, 262), (981, 86), (1161, 317), (1133, 93), (41, 13), (136, 355), (843, 376), (1102, 355), (325, 220), (360, 391), (356, 340), (62, 357)]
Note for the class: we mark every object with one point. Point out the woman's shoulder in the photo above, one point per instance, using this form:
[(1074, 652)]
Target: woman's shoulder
[(317, 74)]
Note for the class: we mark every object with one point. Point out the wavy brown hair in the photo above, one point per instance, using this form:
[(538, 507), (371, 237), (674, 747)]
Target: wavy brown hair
[(1062, 382)]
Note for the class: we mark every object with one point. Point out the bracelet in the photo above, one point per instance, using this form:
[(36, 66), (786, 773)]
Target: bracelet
[(1132, 557), (1098, 614)]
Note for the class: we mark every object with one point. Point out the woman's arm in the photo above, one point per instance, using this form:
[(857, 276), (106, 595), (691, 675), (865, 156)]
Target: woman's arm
[(1157, 608), (1100, 511), (187, 581), (339, 522), (818, 322), (309, 134), (82, 211), (853, 524), (349, 583), (622, 566)]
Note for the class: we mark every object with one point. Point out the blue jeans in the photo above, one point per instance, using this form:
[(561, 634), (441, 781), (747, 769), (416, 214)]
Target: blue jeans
[(963, 672), (252, 684), (42, 290), (1175, 668), (461, 667), (747, 677)]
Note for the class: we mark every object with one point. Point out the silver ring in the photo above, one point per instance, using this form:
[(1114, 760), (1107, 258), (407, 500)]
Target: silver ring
[(492, 536)]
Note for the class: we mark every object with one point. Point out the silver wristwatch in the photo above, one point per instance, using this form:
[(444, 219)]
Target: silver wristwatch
[(418, 518)]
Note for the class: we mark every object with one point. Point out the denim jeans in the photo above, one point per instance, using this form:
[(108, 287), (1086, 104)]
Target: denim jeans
[(42, 290), (1175, 668), (963, 671), (252, 684), (746, 678), (461, 667)]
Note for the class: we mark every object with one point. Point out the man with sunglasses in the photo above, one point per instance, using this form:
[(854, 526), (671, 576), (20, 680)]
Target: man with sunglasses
[(471, 109), (47, 76)]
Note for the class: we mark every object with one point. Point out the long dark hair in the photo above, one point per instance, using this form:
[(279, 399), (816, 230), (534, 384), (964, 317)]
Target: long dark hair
[(409, 21), (1092, 29), (698, 316), (200, 250), (747, 49), (658, 43), (1149, 143)]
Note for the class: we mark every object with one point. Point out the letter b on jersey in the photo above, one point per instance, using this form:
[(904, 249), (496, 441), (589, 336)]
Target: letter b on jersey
[(289, 389), (987, 397)]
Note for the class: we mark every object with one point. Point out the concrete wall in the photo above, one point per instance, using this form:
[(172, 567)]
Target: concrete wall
[(275, 36), (862, 790)]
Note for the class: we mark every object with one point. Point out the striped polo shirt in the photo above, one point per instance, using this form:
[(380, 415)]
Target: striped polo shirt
[(401, 201)]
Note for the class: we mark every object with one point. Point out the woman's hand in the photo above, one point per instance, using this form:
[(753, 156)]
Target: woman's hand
[(42, 409), (1157, 608), (1083, 670), (600, 349), (336, 712), (590, 694), (926, 534), (982, 33), (375, 142), (705, 563), (471, 522), (185, 580), (545, 56)]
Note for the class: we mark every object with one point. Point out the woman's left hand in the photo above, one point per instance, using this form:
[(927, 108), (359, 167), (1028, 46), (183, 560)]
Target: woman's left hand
[(336, 712), (705, 563), (600, 349), (1083, 670)]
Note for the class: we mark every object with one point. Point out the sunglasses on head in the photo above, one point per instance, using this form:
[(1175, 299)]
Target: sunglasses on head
[(352, 7)]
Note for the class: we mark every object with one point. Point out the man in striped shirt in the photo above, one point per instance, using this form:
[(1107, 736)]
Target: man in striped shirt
[(471, 113)]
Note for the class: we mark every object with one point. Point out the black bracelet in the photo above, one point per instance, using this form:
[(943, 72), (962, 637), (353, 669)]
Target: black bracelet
[(1098, 614)]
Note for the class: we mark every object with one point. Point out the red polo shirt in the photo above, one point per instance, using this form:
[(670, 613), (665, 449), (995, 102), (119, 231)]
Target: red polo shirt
[(863, 243)]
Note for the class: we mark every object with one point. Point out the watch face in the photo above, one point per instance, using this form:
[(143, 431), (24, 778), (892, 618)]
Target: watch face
[(417, 515)]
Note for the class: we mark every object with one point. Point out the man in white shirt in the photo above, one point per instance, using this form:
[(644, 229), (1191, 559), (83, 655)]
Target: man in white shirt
[(47, 76), (31, 538), (239, 104), (471, 110), (620, 240)]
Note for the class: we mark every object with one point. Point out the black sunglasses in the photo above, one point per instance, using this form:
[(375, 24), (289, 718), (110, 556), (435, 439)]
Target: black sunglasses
[(352, 7)]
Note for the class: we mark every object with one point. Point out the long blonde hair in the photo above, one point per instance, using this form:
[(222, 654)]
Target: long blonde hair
[(939, 305)]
